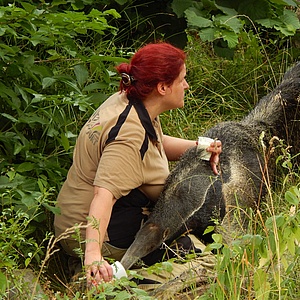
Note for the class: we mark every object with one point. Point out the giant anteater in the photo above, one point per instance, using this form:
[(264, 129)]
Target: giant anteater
[(193, 195)]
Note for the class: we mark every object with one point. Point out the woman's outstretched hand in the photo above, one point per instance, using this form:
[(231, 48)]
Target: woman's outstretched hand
[(97, 270)]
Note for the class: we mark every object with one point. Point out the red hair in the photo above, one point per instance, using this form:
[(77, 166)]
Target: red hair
[(153, 63)]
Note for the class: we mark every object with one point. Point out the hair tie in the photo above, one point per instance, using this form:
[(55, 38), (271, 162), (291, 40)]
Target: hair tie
[(127, 79)]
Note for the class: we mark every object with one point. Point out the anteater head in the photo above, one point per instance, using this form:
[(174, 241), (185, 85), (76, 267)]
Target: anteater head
[(148, 239)]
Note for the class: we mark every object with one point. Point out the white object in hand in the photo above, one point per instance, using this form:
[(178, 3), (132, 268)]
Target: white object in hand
[(118, 270), (203, 144)]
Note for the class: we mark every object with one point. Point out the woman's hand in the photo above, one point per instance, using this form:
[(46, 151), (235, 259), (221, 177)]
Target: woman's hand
[(215, 148), (97, 269)]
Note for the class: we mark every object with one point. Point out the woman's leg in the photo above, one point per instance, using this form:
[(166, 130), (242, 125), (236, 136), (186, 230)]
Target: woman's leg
[(128, 215)]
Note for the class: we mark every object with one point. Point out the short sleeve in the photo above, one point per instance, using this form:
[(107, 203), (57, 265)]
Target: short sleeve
[(120, 168)]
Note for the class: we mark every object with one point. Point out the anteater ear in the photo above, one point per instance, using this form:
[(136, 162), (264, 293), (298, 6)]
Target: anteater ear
[(166, 234)]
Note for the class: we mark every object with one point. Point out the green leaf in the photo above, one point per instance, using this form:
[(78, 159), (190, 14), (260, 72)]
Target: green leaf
[(27, 261), (53, 209), (269, 222), (18, 147), (139, 292), (22, 93), (215, 246), (54, 55), (82, 74), (9, 50), (197, 21), (291, 245), (209, 229), (285, 2), (291, 197), (112, 12), (97, 58), (230, 37), (230, 22), (291, 21), (16, 103), (2, 32), (69, 81), (3, 283), (268, 23), (28, 7), (122, 2), (98, 98), (208, 34), (31, 119), (64, 141), (122, 295), (95, 86), (25, 166), (47, 81), (227, 11), (58, 2), (13, 119), (255, 239), (255, 9), (167, 266), (262, 286), (179, 6), (287, 23), (28, 200), (297, 234), (4, 182), (272, 242), (280, 220)]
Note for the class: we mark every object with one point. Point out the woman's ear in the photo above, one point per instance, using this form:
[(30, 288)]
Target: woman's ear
[(161, 88)]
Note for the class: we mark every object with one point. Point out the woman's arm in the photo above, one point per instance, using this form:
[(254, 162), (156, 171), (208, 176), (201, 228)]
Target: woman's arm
[(97, 269), (175, 147)]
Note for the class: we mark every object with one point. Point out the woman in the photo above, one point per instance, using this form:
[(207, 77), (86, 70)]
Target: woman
[(121, 158)]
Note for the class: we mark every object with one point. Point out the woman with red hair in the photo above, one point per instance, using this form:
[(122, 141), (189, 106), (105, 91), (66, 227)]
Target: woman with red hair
[(121, 156)]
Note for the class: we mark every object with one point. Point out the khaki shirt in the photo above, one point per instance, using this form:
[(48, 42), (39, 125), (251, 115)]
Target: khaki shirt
[(118, 166)]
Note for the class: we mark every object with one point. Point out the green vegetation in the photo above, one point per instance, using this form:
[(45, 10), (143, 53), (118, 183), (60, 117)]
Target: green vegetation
[(57, 65), (222, 22)]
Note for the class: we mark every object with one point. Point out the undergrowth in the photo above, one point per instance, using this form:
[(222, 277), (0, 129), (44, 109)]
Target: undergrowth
[(49, 91)]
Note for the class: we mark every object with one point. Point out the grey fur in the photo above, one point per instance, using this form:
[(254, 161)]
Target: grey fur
[(193, 195)]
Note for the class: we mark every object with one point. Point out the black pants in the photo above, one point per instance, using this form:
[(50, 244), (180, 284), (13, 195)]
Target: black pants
[(126, 220)]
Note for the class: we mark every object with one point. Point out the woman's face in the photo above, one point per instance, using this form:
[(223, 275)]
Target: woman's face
[(175, 96)]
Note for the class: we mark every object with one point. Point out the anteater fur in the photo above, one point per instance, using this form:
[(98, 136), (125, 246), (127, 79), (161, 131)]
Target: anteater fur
[(193, 196)]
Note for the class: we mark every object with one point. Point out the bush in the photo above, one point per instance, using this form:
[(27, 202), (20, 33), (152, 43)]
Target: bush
[(224, 22), (46, 94)]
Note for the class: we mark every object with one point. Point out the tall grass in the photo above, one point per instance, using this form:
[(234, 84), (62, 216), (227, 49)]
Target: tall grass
[(222, 89), (265, 263)]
